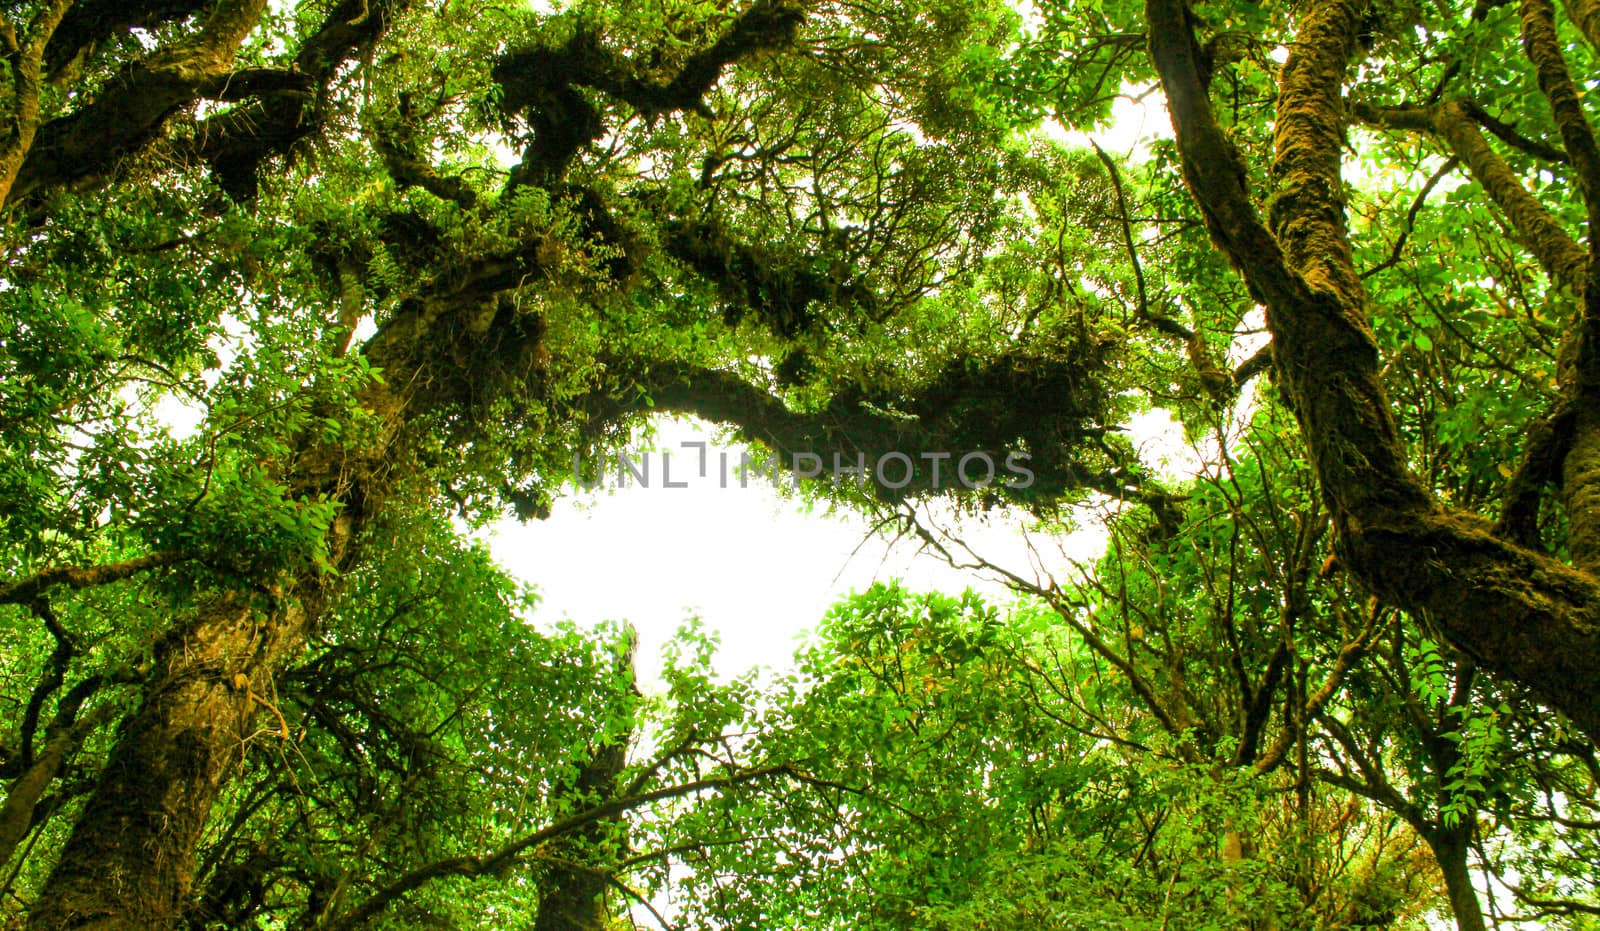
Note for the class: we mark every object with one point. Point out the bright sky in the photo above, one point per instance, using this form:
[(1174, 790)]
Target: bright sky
[(752, 564)]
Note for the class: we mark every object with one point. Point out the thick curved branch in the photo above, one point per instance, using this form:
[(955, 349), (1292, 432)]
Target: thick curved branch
[(1212, 165), (1307, 213), (410, 170), (1548, 441), (1586, 14), (541, 84), (23, 591), (131, 108), (93, 22), (1349, 654), (25, 68), (55, 673), (766, 24), (1259, 362), (1528, 617), (1543, 48), (61, 735), (236, 142), (1581, 470), (1257, 702), (965, 409), (1551, 245)]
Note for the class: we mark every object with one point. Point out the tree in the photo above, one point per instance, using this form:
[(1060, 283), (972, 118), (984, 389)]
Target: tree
[(972, 768), (517, 312), (403, 260), (1243, 647), (1266, 102), (1208, 727), (1495, 591)]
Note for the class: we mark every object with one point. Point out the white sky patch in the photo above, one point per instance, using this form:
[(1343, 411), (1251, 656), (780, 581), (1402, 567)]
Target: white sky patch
[(1138, 117), (181, 417), (749, 562), (1159, 437), (365, 329), (1251, 338)]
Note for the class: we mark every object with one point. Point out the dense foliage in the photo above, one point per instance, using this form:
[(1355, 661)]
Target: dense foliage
[(296, 295)]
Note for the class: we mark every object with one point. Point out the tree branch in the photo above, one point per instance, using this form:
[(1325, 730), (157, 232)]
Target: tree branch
[(506, 856), (92, 22), (1543, 48), (1543, 452), (969, 407), (26, 71), (25, 792), (1350, 654), (131, 108), (1411, 218), (1543, 235), (1581, 378), (236, 142), (1528, 617), (540, 84), (25, 590), (1586, 14), (1508, 134)]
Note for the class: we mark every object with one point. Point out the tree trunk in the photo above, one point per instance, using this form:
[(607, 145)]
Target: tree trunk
[(1518, 612), (1450, 850), (575, 900), (128, 863)]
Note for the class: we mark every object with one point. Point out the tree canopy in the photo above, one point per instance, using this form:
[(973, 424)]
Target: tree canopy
[(399, 261)]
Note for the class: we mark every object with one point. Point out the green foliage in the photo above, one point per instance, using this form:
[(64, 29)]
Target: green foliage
[(950, 769), (264, 348)]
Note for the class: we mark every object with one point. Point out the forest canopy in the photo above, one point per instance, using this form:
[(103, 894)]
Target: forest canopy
[(400, 260)]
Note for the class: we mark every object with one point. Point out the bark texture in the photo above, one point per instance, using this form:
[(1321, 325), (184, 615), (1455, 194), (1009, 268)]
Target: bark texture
[(26, 56), (1450, 848), (1520, 613), (1586, 14), (1581, 376), (128, 112), (129, 861), (1557, 253)]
